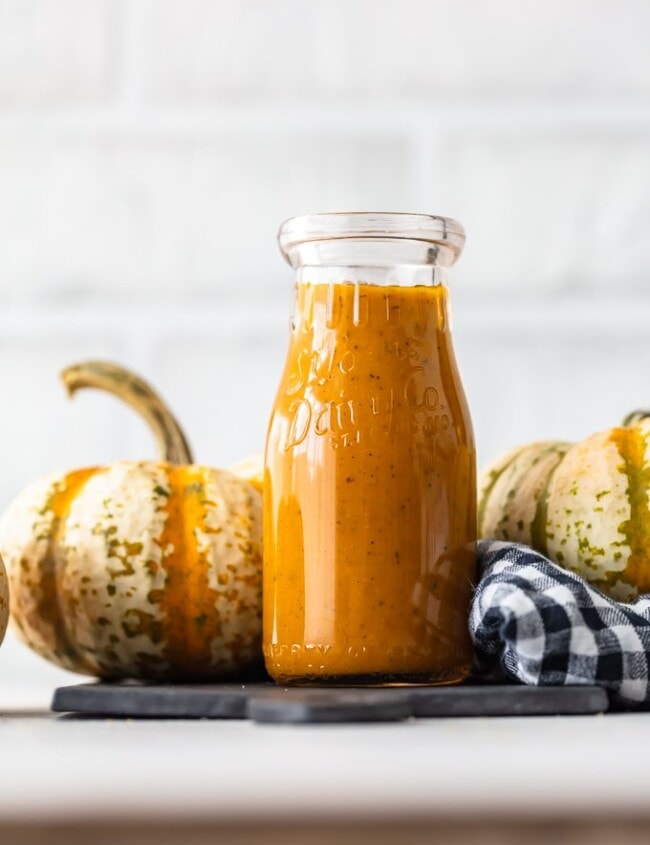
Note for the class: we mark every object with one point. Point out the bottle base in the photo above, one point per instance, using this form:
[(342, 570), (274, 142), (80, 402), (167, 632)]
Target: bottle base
[(440, 677)]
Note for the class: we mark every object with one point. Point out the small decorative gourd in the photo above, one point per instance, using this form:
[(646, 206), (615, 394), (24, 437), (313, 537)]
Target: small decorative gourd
[(586, 505), (148, 569)]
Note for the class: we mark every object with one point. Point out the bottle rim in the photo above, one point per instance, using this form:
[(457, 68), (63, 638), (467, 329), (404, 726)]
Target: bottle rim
[(370, 225)]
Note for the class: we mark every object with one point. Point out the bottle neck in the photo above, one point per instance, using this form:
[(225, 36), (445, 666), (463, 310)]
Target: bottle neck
[(403, 311), (374, 261)]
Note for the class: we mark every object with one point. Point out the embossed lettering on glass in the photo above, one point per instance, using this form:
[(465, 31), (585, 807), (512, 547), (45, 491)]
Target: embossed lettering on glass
[(370, 481)]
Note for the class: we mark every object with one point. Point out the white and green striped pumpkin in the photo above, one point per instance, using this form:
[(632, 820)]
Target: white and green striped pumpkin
[(148, 569), (585, 505)]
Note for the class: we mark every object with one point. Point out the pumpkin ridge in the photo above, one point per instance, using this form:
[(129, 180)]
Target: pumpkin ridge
[(49, 604), (631, 444), (174, 595), (188, 602), (206, 621), (538, 526), (495, 475), (207, 624)]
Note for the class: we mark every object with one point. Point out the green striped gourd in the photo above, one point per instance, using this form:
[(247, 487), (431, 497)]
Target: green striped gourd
[(139, 569), (585, 505)]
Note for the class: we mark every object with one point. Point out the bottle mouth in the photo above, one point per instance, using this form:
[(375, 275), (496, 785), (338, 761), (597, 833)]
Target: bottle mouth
[(445, 234)]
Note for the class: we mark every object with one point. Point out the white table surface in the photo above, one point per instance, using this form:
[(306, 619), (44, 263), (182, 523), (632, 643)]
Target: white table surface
[(63, 770)]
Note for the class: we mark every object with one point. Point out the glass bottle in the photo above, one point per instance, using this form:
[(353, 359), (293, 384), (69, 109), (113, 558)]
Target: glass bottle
[(370, 479)]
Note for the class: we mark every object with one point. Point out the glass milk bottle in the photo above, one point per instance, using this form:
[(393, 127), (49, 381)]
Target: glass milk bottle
[(370, 479)]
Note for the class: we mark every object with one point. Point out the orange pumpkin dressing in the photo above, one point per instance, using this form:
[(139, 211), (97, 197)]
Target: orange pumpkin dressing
[(370, 492)]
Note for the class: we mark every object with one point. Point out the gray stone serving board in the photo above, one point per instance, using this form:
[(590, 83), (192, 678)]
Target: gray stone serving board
[(267, 702)]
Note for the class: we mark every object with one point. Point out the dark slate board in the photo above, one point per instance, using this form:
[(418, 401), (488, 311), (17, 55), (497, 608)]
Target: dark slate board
[(267, 702)]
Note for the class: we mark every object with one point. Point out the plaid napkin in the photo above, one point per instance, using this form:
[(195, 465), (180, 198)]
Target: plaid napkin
[(544, 626)]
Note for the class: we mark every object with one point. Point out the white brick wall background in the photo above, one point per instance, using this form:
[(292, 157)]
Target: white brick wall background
[(150, 148)]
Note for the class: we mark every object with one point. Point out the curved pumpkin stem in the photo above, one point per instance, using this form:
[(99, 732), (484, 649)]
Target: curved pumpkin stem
[(102, 375), (636, 417)]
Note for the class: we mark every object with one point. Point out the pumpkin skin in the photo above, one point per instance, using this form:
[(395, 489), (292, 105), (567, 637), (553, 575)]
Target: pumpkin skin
[(146, 569), (251, 469), (141, 570), (585, 505), (4, 601)]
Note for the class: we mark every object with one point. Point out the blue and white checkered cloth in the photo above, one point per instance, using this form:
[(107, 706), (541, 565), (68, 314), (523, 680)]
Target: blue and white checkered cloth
[(544, 626)]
